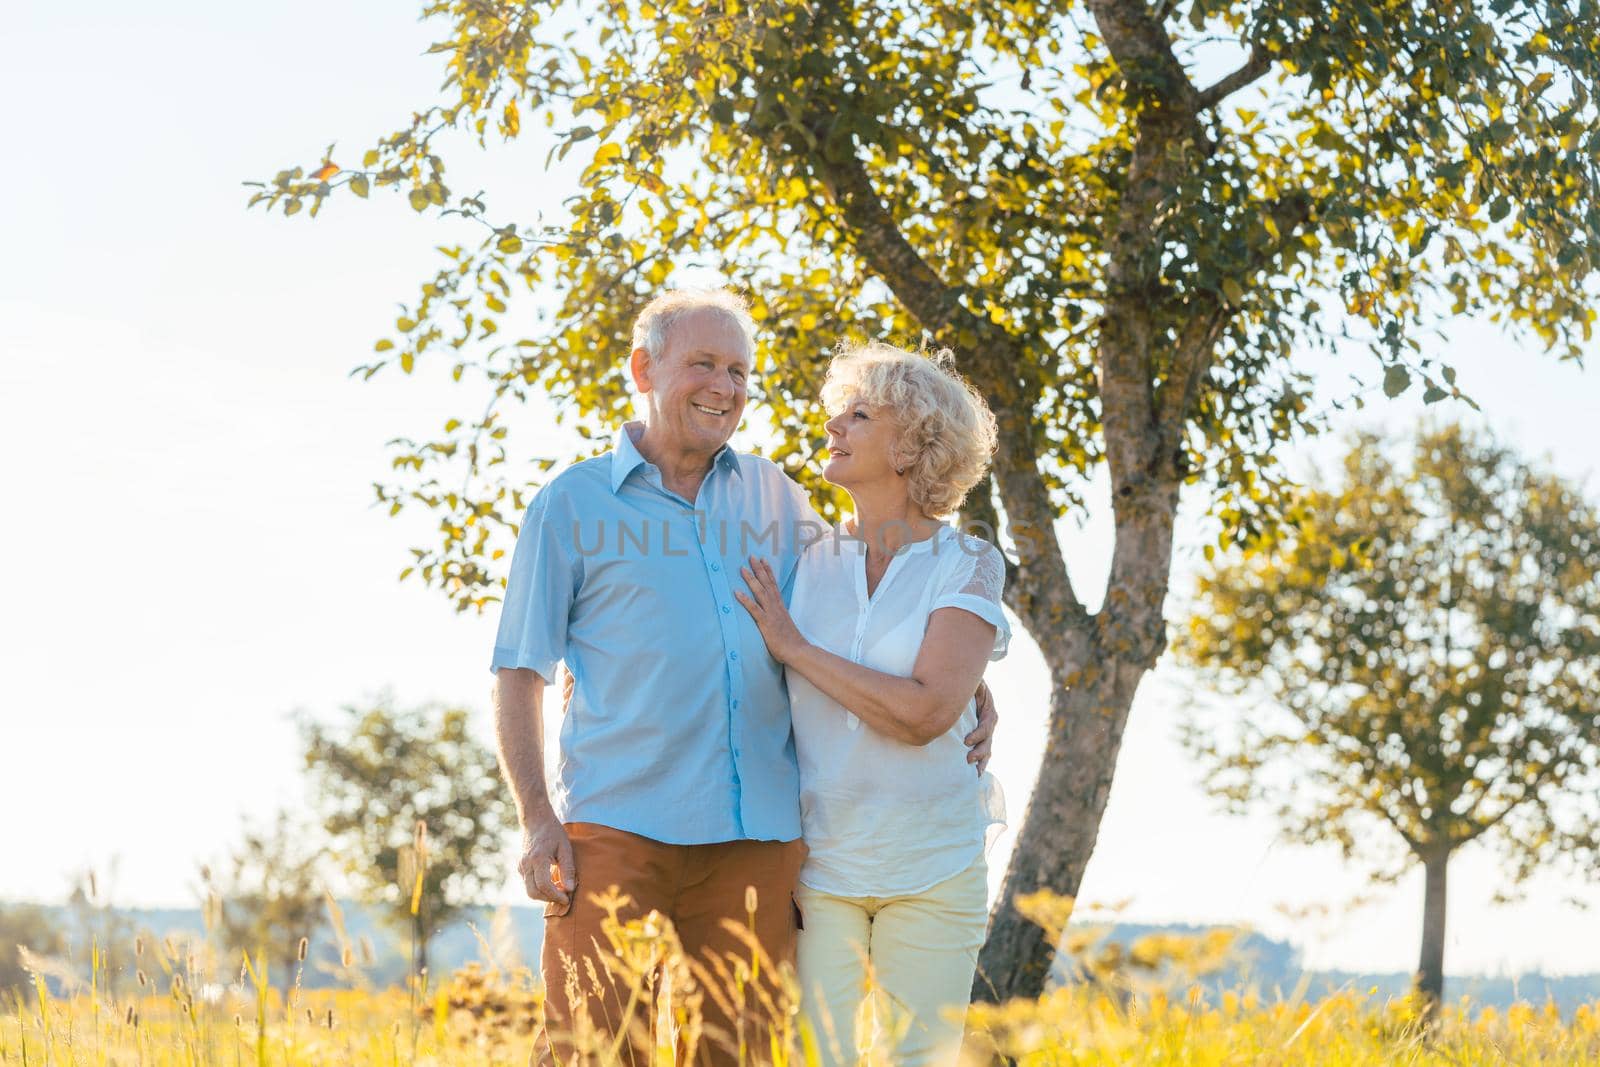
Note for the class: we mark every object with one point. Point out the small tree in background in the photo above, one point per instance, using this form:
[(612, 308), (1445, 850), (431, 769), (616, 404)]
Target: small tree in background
[(98, 924), (268, 893), (25, 926), (379, 772), (1431, 635)]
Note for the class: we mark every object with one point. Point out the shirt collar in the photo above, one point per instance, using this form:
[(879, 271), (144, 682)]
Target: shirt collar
[(625, 456)]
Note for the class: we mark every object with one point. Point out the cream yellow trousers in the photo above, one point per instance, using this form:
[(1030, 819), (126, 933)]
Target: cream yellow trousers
[(890, 976)]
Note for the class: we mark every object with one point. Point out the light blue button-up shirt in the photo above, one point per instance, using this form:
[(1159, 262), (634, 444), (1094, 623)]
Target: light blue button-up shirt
[(679, 725)]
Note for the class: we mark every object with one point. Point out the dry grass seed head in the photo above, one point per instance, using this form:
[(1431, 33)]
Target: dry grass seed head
[(595, 987), (715, 981)]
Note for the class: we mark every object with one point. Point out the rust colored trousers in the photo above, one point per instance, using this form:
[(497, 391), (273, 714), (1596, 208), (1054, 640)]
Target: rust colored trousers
[(697, 887)]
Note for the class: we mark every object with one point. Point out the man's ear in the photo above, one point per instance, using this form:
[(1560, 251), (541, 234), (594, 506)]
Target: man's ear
[(639, 367)]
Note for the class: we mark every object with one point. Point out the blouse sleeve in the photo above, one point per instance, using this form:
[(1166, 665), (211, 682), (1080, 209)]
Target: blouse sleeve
[(975, 584)]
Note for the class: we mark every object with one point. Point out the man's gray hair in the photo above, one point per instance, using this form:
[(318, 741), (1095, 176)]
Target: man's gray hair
[(651, 327)]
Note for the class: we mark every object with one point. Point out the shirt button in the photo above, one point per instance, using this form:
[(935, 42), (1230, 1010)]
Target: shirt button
[(733, 655), (716, 566), (726, 609), (735, 705)]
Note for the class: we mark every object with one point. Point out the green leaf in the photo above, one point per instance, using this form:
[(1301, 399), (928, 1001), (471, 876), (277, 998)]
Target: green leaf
[(1433, 395), (358, 185), (419, 199), (1395, 381)]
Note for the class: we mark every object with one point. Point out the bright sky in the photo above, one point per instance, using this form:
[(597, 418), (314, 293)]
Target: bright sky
[(191, 548)]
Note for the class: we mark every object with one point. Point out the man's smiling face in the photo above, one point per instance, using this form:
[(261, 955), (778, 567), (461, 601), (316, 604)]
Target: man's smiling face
[(696, 386)]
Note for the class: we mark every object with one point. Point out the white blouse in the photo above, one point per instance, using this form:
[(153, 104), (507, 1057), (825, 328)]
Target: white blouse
[(882, 817)]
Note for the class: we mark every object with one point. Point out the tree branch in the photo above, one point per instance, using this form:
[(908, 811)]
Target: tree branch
[(1044, 596), (1257, 65), (1198, 340), (1529, 791), (1139, 43), (1197, 344), (1166, 125)]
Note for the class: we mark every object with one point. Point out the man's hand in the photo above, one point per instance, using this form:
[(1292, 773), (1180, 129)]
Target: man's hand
[(547, 866), (980, 741)]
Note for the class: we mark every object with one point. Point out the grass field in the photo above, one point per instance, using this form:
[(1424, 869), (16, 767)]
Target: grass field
[(1069, 1027), (180, 1015)]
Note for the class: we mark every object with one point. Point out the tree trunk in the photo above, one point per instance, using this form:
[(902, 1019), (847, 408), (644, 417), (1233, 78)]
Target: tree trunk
[(419, 947), (1096, 664), (1430, 967), (1060, 824)]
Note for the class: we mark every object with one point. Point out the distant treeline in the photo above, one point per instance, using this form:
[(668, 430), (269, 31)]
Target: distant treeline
[(1269, 966), (1273, 968)]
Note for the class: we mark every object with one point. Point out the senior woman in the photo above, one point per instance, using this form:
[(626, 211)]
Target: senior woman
[(893, 617)]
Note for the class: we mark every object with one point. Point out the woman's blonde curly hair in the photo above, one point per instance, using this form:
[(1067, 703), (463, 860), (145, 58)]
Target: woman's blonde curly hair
[(947, 433)]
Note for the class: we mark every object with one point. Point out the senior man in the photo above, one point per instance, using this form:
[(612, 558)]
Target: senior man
[(676, 778)]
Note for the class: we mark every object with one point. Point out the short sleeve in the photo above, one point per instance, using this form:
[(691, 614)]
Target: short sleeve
[(975, 583), (545, 574)]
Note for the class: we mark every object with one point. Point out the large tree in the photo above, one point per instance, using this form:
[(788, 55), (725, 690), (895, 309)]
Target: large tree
[(1121, 215), (381, 772), (1428, 639)]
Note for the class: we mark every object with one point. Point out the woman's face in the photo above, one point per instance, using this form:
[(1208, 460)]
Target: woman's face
[(861, 442)]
